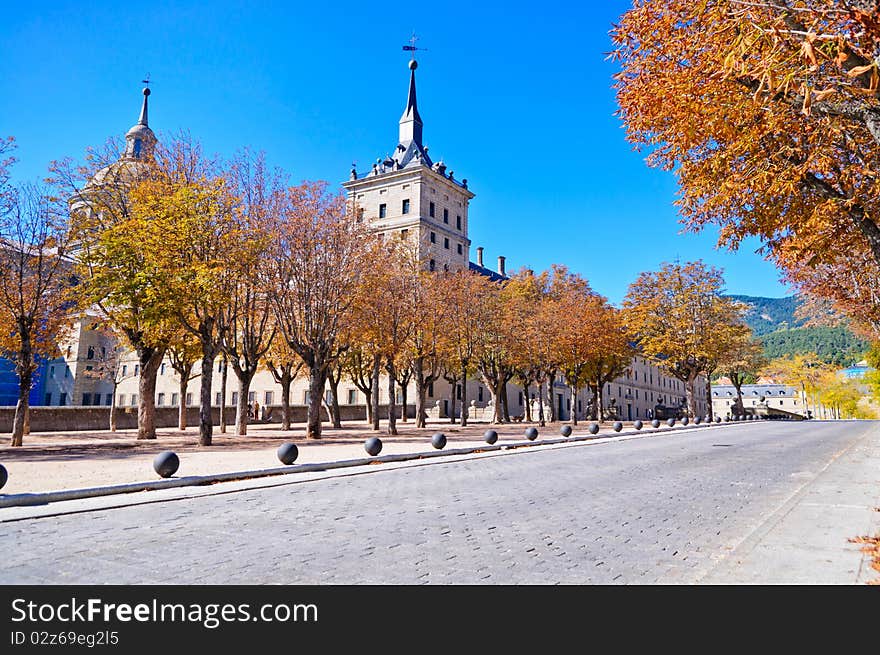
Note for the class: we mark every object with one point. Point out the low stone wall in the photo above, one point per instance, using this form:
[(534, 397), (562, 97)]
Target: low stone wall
[(62, 419)]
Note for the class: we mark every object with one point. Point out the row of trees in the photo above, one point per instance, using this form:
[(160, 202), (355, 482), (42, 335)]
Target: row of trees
[(197, 259)]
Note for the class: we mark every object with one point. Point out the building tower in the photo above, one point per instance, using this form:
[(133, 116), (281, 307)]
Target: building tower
[(406, 195)]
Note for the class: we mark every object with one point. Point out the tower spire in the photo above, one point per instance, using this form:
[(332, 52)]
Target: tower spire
[(143, 119), (411, 122)]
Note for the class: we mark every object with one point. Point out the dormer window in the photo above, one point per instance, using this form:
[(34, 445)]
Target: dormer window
[(136, 149)]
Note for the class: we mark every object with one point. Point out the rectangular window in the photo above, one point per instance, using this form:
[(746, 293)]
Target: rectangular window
[(446, 242), (189, 400), (48, 399), (137, 368), (460, 250), (328, 397), (51, 371), (217, 399), (252, 396), (174, 398), (62, 399), (87, 399), (433, 237), (404, 234), (445, 215), (520, 399), (430, 390), (121, 400), (431, 265), (383, 209), (160, 400), (162, 369), (234, 398), (108, 399), (90, 367), (458, 391), (268, 397), (458, 222), (480, 394), (404, 206), (220, 366), (306, 397), (352, 396), (431, 209), (134, 400), (124, 370), (90, 353)]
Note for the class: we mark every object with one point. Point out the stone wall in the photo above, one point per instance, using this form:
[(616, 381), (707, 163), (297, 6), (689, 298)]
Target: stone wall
[(60, 419)]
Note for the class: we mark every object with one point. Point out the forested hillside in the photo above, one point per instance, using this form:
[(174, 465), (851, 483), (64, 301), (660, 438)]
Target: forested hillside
[(773, 320)]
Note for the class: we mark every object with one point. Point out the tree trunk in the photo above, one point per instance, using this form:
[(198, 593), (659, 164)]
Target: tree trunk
[(527, 405), (223, 374), (574, 414), (452, 400), (206, 423), (690, 394), (241, 412), (505, 413), (421, 393), (317, 382), (392, 401), (113, 410), (403, 390), (377, 360), (551, 377), (709, 410), (150, 358), (335, 414), (600, 402), (498, 409), (738, 409), (181, 410), (541, 404), (25, 379), (464, 404), (285, 402)]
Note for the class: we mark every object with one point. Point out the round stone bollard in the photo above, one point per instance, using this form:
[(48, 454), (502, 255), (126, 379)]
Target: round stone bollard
[(287, 453), (594, 428), (638, 425), (4, 476), (698, 420), (565, 430), (685, 420), (718, 419), (655, 423), (438, 440), (670, 422), (531, 434), (166, 463), (618, 426), (490, 436), (373, 446)]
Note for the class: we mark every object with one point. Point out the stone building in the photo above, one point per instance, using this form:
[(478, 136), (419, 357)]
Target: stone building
[(777, 397), (403, 195)]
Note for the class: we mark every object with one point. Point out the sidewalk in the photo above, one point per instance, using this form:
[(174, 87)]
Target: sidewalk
[(806, 540), (74, 460)]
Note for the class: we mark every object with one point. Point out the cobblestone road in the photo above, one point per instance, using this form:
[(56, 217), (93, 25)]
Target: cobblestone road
[(658, 509)]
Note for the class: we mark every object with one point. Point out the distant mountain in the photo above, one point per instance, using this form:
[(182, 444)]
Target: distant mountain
[(767, 315), (773, 321)]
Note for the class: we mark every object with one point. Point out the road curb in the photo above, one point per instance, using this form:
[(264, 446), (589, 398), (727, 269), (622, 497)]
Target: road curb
[(45, 498)]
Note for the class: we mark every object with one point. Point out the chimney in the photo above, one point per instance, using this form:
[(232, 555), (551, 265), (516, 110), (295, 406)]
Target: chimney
[(480, 256), (501, 265)]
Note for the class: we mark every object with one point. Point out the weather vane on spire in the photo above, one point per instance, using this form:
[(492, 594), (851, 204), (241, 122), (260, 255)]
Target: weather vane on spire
[(412, 45), (146, 79)]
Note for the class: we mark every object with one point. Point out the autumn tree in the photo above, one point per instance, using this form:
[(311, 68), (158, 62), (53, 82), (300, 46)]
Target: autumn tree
[(108, 366), (742, 360), (317, 260), (462, 328), (34, 279), (284, 365), (494, 341), (673, 314), (769, 115), (428, 315), (611, 355), (247, 327), (110, 259), (529, 327), (192, 247), (183, 353), (805, 371)]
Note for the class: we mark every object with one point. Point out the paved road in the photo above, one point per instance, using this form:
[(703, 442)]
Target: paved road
[(661, 509)]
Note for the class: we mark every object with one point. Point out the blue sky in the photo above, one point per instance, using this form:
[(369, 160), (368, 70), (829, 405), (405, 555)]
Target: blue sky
[(515, 97)]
